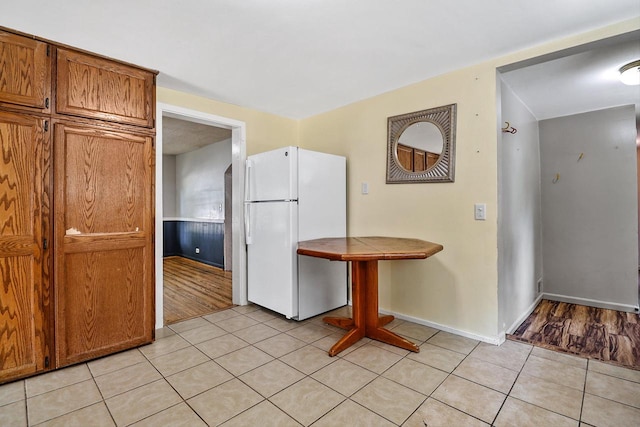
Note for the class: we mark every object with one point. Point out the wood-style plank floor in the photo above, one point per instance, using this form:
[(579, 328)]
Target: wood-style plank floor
[(595, 333), (192, 289)]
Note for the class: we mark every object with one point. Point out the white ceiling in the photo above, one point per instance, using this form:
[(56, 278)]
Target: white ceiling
[(297, 58), (585, 78), (181, 136)]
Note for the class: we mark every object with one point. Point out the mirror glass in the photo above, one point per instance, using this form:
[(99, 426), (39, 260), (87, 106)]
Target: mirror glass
[(421, 146)]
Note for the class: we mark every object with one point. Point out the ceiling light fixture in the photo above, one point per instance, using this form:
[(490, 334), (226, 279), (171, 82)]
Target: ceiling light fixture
[(630, 73)]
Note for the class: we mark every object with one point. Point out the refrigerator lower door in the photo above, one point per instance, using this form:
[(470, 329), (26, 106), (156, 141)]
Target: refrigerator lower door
[(271, 258), (322, 285)]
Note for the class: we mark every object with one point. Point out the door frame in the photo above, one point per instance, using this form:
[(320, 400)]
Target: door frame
[(238, 156)]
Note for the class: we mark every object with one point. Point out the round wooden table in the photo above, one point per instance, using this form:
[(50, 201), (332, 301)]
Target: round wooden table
[(364, 254)]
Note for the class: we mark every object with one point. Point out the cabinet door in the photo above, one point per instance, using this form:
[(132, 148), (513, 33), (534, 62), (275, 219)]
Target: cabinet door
[(25, 71), (419, 160), (25, 338), (432, 159), (98, 88), (103, 235), (405, 156)]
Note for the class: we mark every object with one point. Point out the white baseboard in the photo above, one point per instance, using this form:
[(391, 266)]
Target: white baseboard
[(593, 303), (496, 340), (524, 315)]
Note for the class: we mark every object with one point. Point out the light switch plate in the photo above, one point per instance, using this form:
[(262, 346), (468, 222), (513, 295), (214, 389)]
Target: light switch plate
[(365, 188), (480, 211)]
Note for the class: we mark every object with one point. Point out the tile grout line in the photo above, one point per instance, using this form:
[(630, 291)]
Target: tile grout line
[(541, 407), (312, 344), (104, 400), (584, 391), (511, 388), (468, 355)]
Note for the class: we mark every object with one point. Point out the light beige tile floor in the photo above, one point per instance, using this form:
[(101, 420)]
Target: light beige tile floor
[(247, 366)]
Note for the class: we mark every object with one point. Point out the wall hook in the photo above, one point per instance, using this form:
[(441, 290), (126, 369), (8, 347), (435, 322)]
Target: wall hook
[(556, 178), (509, 129), (581, 156)]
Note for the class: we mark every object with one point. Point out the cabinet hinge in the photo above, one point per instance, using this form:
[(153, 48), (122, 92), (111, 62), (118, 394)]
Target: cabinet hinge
[(48, 50), (46, 361), (46, 103), (46, 125)]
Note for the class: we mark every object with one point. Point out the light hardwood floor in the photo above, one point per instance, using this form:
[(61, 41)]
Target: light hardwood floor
[(193, 289), (596, 333)]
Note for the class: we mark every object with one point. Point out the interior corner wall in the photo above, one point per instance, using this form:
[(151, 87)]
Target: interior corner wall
[(590, 224), (455, 289), (169, 186), (519, 215), (200, 181), (458, 287)]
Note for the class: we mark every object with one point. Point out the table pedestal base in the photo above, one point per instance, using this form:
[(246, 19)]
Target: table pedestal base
[(365, 321)]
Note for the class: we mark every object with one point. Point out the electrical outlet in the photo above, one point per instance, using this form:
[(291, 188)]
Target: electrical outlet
[(539, 285), (480, 211), (197, 250)]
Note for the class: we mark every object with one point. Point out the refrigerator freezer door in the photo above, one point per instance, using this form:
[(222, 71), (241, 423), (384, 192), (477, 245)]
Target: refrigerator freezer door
[(272, 175), (322, 195), (271, 259)]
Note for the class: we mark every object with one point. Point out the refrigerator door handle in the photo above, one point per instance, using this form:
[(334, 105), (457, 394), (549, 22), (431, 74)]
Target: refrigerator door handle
[(247, 178), (247, 224)]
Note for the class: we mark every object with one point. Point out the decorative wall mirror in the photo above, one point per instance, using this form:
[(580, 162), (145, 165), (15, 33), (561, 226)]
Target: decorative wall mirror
[(421, 146)]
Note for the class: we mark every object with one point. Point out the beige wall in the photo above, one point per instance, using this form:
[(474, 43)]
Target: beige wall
[(264, 131), (456, 288)]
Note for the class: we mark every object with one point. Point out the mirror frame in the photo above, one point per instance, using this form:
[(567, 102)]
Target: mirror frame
[(444, 118)]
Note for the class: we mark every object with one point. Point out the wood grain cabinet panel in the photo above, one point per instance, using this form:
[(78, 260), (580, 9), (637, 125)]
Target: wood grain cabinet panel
[(25, 338), (104, 227), (405, 157), (414, 159), (432, 159), (98, 88), (76, 206), (25, 71), (419, 160)]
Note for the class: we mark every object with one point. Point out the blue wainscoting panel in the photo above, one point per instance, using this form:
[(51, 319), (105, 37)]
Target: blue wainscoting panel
[(181, 238), (170, 242)]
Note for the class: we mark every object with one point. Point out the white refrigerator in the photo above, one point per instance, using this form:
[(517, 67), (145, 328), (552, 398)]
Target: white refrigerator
[(292, 194)]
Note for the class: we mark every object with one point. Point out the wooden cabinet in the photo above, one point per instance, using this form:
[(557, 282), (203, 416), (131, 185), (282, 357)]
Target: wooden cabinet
[(25, 302), (405, 157), (98, 88), (414, 159), (25, 72), (78, 280), (104, 228), (419, 160), (432, 159)]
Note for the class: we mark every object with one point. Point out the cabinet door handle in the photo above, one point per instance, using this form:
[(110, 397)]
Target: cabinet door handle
[(45, 244)]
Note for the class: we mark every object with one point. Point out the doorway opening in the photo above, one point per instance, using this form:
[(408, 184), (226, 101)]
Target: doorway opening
[(197, 274), (575, 145), (197, 211)]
